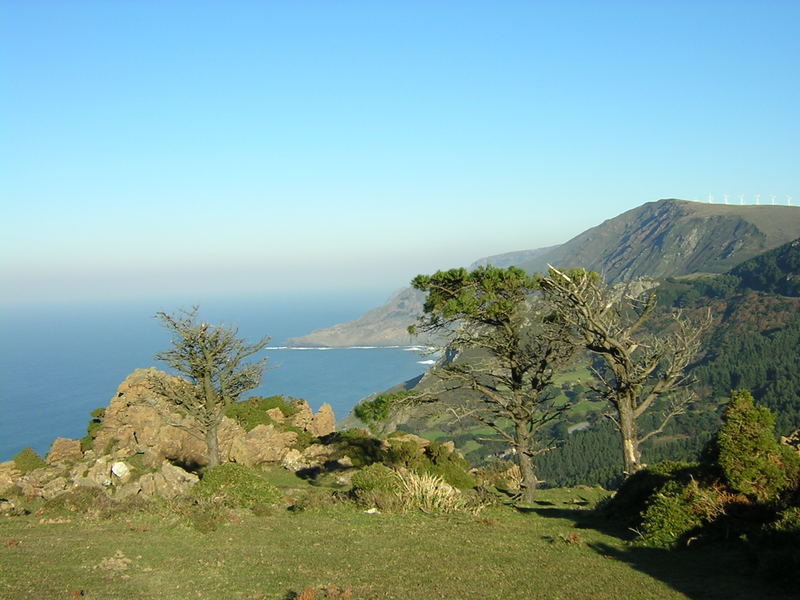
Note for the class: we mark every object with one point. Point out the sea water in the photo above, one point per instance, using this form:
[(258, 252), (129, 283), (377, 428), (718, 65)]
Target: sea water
[(59, 362)]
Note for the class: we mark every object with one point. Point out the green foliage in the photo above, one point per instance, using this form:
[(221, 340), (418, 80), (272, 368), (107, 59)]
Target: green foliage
[(633, 495), (84, 500), (776, 271), (765, 362), (376, 411), (669, 515), (237, 486), (487, 294), (27, 460), (356, 444), (750, 460), (92, 428), (253, 412), (434, 459), (376, 476)]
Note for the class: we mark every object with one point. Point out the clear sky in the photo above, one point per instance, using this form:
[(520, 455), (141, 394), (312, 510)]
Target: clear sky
[(240, 147)]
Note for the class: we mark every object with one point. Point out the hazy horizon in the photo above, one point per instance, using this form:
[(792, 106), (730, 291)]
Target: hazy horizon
[(197, 150)]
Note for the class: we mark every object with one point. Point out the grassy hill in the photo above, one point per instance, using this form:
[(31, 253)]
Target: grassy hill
[(555, 549)]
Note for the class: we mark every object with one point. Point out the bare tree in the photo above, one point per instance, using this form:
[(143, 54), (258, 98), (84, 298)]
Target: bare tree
[(640, 367), (514, 353), (212, 373)]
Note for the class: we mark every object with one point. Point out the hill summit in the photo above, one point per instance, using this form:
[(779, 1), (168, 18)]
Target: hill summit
[(658, 239)]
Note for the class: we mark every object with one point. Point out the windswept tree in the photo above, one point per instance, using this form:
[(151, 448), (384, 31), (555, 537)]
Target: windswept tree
[(212, 368), (642, 371), (515, 350)]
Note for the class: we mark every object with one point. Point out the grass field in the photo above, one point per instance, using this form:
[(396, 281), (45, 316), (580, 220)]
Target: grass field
[(553, 550)]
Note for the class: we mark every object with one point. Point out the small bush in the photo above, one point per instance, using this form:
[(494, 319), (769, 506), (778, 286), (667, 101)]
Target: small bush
[(501, 474), (253, 412), (432, 494), (677, 509), (376, 477), (237, 486), (27, 460), (92, 428), (669, 516), (632, 497), (435, 459), (88, 501)]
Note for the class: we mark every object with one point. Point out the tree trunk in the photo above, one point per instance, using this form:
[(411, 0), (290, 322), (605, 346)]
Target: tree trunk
[(527, 474), (212, 445), (631, 457)]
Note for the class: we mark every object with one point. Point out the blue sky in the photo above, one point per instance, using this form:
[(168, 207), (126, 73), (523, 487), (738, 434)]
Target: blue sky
[(155, 148)]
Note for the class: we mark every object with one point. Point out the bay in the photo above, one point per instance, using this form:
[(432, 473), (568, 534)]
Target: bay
[(59, 362)]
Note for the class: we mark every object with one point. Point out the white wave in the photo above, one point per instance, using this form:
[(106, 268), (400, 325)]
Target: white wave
[(426, 362)]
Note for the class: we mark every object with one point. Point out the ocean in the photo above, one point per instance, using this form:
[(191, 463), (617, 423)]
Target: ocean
[(59, 362)]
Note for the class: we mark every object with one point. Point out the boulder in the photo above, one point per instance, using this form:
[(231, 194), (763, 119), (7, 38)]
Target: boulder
[(276, 414), (262, 444), (64, 450), (324, 422), (303, 418), (9, 473), (139, 421), (168, 482)]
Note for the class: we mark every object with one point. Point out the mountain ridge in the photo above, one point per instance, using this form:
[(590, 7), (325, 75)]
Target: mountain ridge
[(665, 238)]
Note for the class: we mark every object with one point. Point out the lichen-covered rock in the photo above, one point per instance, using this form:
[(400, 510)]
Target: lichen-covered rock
[(303, 418), (168, 482), (64, 450), (262, 444), (9, 473), (137, 419), (324, 422), (276, 414)]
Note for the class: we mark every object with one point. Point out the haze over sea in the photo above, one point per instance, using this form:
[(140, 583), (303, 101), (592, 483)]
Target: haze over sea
[(59, 362)]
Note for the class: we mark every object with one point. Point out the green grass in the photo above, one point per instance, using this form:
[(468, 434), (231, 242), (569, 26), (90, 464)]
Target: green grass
[(548, 551)]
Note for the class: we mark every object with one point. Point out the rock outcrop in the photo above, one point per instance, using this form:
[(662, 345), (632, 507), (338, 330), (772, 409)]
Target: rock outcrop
[(64, 450), (142, 443)]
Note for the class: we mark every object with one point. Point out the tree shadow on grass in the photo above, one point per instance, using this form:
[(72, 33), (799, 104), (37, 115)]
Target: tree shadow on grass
[(712, 571)]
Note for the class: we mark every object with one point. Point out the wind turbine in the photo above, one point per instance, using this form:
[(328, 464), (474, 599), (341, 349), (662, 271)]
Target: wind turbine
[(741, 200), (788, 200), (758, 199), (726, 198), (773, 200)]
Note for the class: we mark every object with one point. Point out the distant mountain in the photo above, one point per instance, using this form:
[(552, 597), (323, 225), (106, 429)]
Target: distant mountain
[(659, 239), (386, 325), (674, 237), (512, 259)]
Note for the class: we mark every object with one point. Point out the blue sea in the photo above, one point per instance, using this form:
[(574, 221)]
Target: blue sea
[(59, 362)]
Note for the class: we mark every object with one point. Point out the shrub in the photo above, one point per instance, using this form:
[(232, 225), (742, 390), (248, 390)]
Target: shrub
[(92, 428), (27, 460), (432, 494), (82, 500), (747, 455), (434, 459), (376, 477), (501, 474), (253, 411), (633, 495), (237, 486), (677, 509)]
